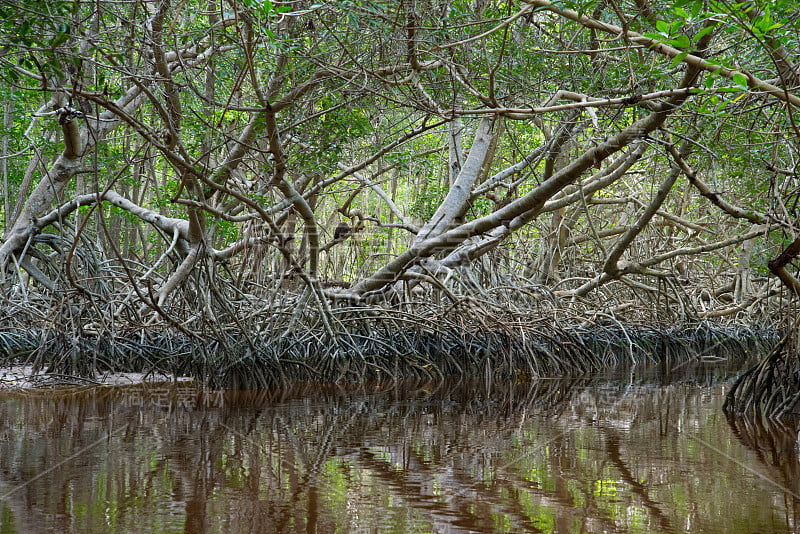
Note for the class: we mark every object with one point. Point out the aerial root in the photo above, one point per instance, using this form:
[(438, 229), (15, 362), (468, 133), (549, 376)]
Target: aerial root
[(382, 344)]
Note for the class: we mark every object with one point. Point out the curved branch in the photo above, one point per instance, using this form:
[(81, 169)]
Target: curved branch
[(644, 267), (165, 224), (63, 169), (778, 266), (611, 264), (734, 211), (692, 60), (180, 274), (291, 194), (526, 208)]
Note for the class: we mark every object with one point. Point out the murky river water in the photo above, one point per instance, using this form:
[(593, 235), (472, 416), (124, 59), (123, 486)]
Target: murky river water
[(640, 453)]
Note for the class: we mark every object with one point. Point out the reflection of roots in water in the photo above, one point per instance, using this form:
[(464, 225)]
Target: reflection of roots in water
[(412, 396), (544, 396), (279, 444), (777, 446)]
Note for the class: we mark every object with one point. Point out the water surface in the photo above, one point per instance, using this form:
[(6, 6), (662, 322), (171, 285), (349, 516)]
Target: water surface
[(641, 452)]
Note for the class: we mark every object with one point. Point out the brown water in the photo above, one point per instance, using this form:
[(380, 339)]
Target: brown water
[(640, 453)]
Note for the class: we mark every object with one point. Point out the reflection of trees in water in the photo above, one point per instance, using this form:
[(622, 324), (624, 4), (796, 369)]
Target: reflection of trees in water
[(126, 438), (411, 442), (459, 454), (272, 447), (776, 444)]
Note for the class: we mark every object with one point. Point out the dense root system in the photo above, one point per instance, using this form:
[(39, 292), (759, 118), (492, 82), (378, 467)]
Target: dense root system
[(771, 388), (362, 344)]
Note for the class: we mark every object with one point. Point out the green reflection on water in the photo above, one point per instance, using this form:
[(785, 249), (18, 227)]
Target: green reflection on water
[(597, 455), (7, 523)]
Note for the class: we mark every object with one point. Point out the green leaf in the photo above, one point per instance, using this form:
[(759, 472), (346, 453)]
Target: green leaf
[(680, 41), (677, 59), (662, 27), (681, 12), (702, 33), (740, 80), (60, 37)]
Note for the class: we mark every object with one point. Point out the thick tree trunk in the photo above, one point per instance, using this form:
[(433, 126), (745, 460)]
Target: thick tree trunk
[(51, 186), (455, 204)]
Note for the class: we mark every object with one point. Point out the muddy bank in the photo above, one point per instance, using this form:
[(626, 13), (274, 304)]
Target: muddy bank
[(23, 377)]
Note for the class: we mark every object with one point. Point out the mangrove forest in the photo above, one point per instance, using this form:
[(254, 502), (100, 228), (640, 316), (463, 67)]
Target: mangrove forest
[(262, 192)]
